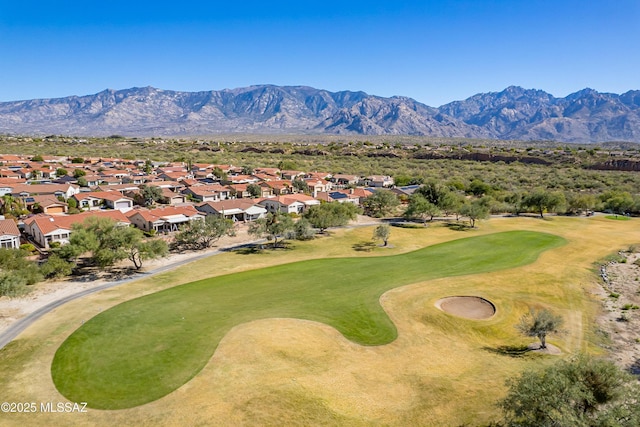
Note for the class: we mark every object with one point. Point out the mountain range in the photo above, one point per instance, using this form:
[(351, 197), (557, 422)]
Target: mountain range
[(513, 114)]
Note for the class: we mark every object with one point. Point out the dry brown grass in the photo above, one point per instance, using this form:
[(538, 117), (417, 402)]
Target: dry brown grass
[(441, 370)]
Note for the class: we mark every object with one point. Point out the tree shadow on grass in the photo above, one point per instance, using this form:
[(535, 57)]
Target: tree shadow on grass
[(457, 226), (249, 250), (407, 224), (259, 248), (364, 246), (514, 351)]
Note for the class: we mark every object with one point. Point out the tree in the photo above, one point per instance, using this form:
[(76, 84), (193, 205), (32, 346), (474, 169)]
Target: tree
[(273, 226), (421, 208), (303, 230), (77, 173), (12, 206), (541, 200), (617, 202), (107, 243), (382, 232), (451, 202), (334, 214), (203, 234), (220, 174), (139, 251), (254, 190), (581, 392), (477, 187), (148, 167), (300, 185), (149, 195), (433, 191), (56, 267), (516, 202), (474, 211), (579, 203), (381, 203), (539, 323)]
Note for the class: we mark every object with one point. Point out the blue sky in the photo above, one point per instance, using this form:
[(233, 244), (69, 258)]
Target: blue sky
[(433, 51)]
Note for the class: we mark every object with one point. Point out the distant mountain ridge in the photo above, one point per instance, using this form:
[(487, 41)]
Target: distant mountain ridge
[(514, 113)]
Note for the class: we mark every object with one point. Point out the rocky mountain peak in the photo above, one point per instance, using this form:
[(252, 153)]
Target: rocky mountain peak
[(513, 113)]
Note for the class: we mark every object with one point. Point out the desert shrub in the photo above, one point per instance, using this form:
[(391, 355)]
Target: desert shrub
[(28, 247), (56, 267), (12, 285)]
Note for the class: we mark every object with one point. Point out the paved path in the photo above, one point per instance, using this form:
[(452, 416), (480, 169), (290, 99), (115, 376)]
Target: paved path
[(15, 329)]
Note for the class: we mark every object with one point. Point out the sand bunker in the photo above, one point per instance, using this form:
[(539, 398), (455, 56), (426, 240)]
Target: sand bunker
[(467, 307)]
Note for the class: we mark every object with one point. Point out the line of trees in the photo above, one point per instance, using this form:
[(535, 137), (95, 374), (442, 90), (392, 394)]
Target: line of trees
[(434, 199), (103, 243)]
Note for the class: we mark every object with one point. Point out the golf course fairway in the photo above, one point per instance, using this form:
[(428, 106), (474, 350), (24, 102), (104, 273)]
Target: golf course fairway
[(145, 348)]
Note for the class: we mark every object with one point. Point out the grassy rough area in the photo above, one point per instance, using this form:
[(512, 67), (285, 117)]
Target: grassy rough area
[(148, 347), (441, 370)]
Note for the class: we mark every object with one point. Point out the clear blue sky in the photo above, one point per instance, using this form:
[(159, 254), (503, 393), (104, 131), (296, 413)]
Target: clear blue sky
[(432, 51)]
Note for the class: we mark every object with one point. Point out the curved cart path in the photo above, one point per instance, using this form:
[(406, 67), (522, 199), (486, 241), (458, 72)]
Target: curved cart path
[(11, 332), (16, 328)]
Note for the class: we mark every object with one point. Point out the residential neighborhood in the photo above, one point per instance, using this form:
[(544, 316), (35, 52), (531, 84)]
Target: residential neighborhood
[(43, 196)]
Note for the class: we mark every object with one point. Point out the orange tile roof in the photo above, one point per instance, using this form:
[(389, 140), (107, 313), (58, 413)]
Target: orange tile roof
[(48, 223), (153, 215), (8, 227)]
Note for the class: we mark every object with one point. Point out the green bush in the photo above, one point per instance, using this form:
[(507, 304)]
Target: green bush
[(12, 285), (56, 267), (28, 247)]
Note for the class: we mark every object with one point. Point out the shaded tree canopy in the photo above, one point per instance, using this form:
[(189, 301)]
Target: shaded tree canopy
[(475, 210), (204, 233), (274, 226), (334, 214), (582, 392), (542, 200), (149, 195), (107, 243), (381, 203), (420, 207)]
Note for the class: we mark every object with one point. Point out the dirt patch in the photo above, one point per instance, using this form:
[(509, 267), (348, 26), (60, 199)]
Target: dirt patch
[(620, 317), (469, 307), (549, 349)]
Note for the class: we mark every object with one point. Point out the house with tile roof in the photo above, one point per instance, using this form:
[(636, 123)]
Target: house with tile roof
[(291, 203), (94, 200), (46, 204), (165, 219), (46, 229), (62, 190), (234, 209), (208, 193), (9, 234)]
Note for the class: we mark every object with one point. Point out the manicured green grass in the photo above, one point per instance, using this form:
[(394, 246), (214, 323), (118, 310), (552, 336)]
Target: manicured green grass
[(146, 348)]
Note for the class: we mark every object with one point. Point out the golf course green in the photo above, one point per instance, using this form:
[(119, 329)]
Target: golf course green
[(145, 348)]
